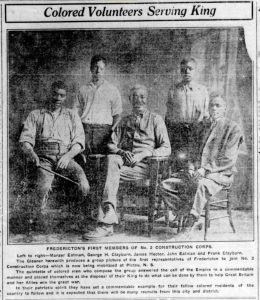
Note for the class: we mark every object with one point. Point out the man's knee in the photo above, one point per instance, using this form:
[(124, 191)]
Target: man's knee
[(80, 177), (42, 189), (201, 184), (83, 185)]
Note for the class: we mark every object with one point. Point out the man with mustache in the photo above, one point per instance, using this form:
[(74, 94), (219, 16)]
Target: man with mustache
[(139, 135)]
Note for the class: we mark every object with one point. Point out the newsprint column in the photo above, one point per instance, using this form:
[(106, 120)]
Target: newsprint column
[(129, 150)]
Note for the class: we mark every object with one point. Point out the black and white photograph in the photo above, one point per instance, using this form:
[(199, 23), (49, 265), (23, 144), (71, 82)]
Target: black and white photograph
[(129, 159), (130, 135)]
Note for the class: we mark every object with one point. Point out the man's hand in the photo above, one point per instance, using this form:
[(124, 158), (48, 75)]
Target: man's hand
[(27, 149), (140, 156), (64, 161), (127, 157), (35, 159)]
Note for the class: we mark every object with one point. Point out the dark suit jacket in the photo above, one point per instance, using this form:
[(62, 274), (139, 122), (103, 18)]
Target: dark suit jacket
[(219, 150)]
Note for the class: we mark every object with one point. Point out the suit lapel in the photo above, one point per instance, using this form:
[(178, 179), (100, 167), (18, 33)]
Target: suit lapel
[(211, 137), (206, 135)]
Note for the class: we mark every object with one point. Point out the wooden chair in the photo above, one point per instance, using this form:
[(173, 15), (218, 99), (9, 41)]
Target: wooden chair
[(217, 203), (155, 209), (177, 198)]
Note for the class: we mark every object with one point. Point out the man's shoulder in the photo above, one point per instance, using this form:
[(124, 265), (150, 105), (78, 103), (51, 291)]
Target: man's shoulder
[(106, 85), (229, 127), (110, 86), (200, 86), (180, 85), (85, 87), (36, 112), (148, 113), (232, 125), (157, 117)]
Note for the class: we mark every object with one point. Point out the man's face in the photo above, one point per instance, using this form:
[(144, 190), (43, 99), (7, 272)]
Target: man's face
[(217, 108), (58, 97), (188, 71), (98, 70), (139, 100)]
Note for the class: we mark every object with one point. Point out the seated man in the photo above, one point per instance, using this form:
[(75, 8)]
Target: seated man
[(217, 157), (51, 138), (138, 136)]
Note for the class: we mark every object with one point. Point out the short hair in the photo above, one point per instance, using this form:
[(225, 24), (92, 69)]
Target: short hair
[(97, 58), (216, 94), (59, 85), (188, 59), (138, 87)]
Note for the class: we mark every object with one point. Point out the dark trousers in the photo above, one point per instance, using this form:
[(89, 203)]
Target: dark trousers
[(45, 179), (185, 143), (97, 137)]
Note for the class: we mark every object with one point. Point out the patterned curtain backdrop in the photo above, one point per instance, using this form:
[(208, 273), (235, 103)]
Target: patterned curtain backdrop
[(217, 53)]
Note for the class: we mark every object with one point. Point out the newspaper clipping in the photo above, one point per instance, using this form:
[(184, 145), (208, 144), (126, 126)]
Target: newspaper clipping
[(129, 150)]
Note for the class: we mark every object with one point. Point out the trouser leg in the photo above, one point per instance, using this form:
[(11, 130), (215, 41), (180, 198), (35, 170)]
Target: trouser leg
[(76, 173), (77, 194), (116, 171), (43, 184), (96, 137), (114, 165), (205, 189), (101, 136)]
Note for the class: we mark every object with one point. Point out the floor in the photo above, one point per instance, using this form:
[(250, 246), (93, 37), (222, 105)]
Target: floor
[(136, 231)]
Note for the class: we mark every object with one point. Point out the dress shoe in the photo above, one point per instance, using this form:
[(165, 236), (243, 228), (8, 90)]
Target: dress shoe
[(110, 216), (101, 231)]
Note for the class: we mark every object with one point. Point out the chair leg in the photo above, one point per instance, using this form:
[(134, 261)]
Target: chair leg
[(122, 213), (166, 211), (180, 221), (207, 220), (150, 221), (230, 214), (167, 217)]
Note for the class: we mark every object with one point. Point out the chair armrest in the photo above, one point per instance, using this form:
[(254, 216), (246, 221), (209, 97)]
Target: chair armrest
[(159, 166), (96, 156), (157, 158), (156, 162)]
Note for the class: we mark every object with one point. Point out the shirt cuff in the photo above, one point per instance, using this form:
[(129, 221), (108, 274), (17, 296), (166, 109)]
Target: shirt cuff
[(79, 143), (27, 140)]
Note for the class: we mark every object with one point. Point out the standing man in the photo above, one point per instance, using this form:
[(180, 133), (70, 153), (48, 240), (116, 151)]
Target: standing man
[(186, 107), (51, 138), (138, 136), (99, 106)]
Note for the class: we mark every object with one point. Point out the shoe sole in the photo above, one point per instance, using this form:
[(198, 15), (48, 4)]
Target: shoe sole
[(97, 238)]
